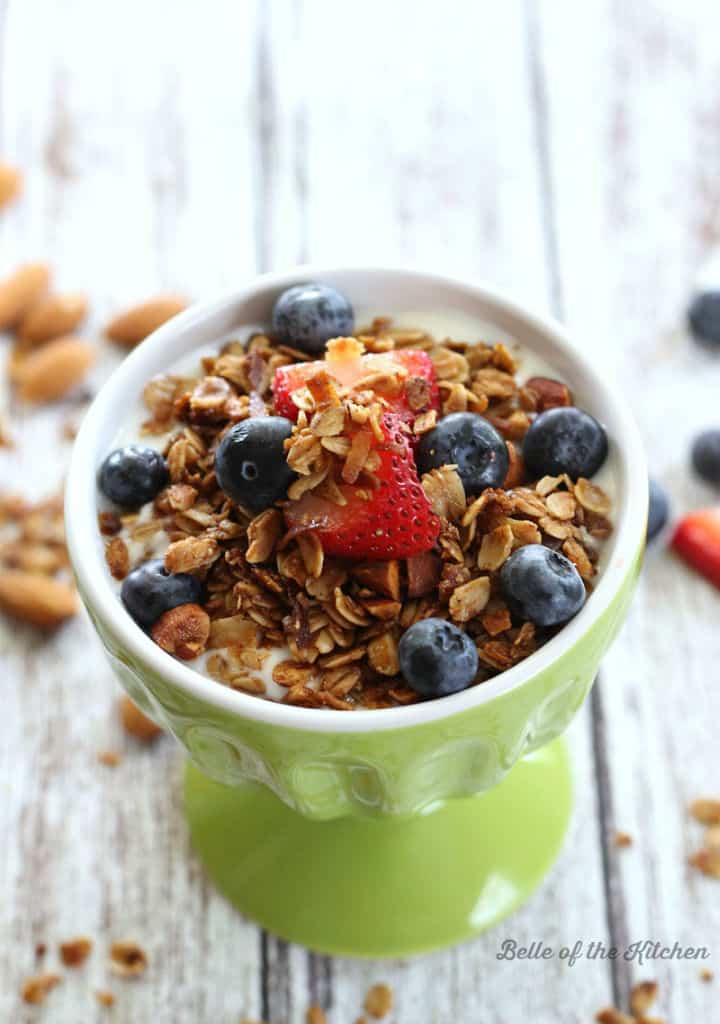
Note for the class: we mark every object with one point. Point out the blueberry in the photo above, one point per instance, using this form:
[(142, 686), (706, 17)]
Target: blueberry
[(471, 443), (658, 511), (150, 590), (704, 318), (250, 462), (132, 476), (565, 440), (542, 585), (437, 658), (307, 315), (706, 455)]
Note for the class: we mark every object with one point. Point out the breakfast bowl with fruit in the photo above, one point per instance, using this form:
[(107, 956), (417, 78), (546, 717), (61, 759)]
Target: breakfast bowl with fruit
[(359, 538)]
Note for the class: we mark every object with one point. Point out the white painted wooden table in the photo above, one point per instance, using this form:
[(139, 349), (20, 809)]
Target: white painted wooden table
[(568, 152)]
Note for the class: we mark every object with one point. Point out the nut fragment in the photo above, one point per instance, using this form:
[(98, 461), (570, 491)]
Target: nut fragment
[(136, 722), (191, 554), (75, 952), (383, 656), (51, 371), (382, 577), (183, 631), (20, 290), (236, 630), (117, 557), (34, 990), (36, 599), (642, 996), (52, 317), (445, 492), (495, 548), (127, 959), (135, 324), (379, 1001), (470, 599), (623, 839), (549, 393)]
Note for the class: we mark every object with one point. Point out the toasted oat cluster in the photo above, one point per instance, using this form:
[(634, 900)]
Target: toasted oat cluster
[(294, 576)]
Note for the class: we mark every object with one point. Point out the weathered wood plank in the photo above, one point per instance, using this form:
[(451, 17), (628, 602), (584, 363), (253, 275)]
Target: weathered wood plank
[(633, 104)]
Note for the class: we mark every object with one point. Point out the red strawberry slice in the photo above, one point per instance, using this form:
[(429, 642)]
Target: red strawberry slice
[(393, 520), (697, 540), (349, 371)]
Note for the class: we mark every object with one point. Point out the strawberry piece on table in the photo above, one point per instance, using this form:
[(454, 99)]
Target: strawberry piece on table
[(697, 541), (350, 368), (391, 520)]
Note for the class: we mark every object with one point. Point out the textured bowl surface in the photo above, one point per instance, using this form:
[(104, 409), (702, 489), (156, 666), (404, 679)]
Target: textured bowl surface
[(327, 764)]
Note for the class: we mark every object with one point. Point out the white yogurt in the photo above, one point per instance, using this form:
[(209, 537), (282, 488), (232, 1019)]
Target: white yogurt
[(459, 327)]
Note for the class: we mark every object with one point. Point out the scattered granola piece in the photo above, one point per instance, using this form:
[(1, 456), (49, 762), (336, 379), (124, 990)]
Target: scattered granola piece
[(40, 950), (135, 722), (611, 1015), (642, 997), (117, 557), (74, 952), (379, 1001), (183, 631), (34, 990), (707, 861), (707, 975), (110, 758), (105, 998), (315, 1015), (11, 181), (127, 959), (711, 839), (623, 839), (706, 811)]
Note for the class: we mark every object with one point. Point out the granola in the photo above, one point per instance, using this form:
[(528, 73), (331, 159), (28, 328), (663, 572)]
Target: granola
[(283, 613)]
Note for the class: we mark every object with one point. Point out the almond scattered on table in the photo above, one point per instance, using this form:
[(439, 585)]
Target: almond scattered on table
[(53, 317), (135, 324), (39, 600), (706, 811), (20, 291), (379, 1001), (34, 990), (53, 370), (642, 997), (74, 952), (11, 181), (136, 723)]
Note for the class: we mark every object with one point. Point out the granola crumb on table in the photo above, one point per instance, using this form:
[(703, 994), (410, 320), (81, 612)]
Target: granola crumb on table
[(271, 580)]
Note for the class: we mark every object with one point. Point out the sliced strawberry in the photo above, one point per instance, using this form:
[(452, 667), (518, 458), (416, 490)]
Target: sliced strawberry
[(697, 540), (392, 520), (350, 371)]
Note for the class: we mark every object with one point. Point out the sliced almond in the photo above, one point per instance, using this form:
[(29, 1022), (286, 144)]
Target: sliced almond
[(20, 291), (52, 317), (10, 183), (383, 655), (39, 600), (53, 370), (470, 599), (135, 324)]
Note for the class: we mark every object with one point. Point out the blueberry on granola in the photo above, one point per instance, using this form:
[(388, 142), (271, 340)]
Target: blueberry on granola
[(469, 442), (132, 476), (150, 590), (307, 315), (658, 509), (437, 658), (704, 318), (706, 455), (565, 440), (542, 586), (250, 462)]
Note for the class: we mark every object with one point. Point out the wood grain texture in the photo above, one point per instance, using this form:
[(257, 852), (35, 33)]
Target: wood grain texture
[(566, 152)]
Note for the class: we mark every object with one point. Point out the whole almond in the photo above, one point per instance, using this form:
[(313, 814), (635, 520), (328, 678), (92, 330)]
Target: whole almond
[(10, 183), (52, 317), (37, 599), (20, 291), (134, 325), (137, 722), (52, 370)]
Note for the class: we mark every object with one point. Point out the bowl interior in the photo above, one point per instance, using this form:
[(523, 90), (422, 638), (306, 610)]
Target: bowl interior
[(387, 291)]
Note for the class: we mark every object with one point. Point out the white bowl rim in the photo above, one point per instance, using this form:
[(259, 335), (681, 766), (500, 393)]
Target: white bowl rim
[(94, 580)]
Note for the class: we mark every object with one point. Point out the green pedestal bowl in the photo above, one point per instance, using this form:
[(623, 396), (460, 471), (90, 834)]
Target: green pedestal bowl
[(386, 832)]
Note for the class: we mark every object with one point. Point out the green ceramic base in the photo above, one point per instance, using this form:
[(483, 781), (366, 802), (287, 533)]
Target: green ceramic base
[(383, 887)]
